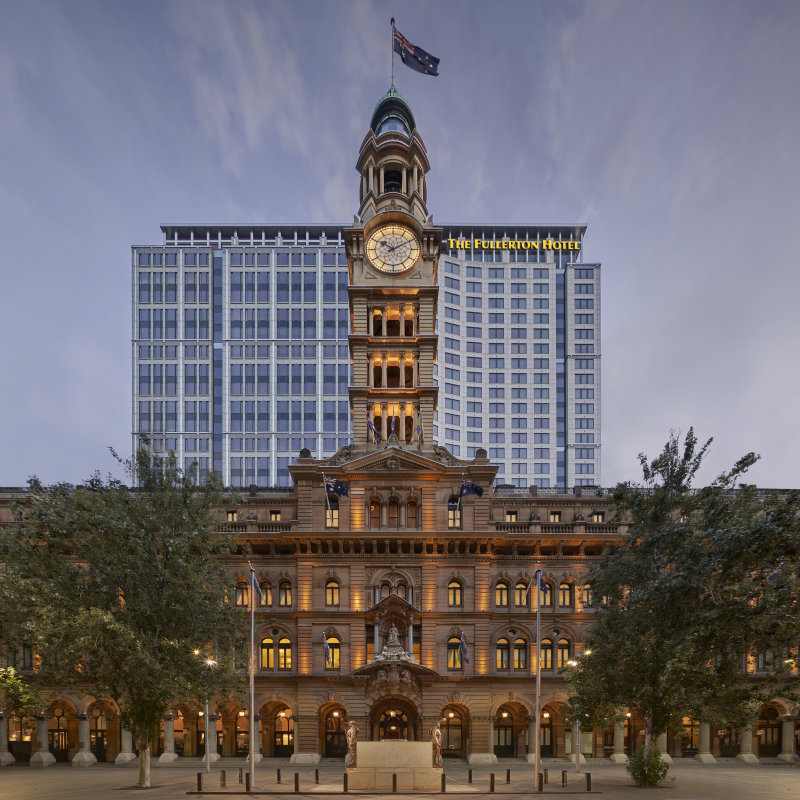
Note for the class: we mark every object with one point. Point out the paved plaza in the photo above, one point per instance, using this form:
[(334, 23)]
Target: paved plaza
[(725, 780)]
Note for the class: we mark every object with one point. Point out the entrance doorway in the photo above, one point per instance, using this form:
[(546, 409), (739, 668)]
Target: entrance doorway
[(393, 725), (394, 718), (335, 741)]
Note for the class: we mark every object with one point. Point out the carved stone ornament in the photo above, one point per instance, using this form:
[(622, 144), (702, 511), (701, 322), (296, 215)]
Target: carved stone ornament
[(394, 679), (343, 456), (443, 456), (392, 463)]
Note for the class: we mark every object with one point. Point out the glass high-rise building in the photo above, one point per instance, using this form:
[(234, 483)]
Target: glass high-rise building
[(240, 349)]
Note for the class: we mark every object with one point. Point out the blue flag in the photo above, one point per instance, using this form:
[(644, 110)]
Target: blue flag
[(470, 487), (376, 437), (340, 488), (462, 648), (327, 649), (414, 56), (420, 435), (538, 580)]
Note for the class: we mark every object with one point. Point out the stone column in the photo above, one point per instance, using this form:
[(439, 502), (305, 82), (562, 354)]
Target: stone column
[(380, 178), (43, 757), (126, 754), (531, 757), (383, 321), (704, 749), (84, 757), (169, 753), (403, 317), (618, 756), (211, 744), (383, 411), (376, 639), (6, 757), (787, 741), (383, 370), (370, 372), (661, 744), (746, 753), (403, 183), (255, 731), (410, 650), (370, 319)]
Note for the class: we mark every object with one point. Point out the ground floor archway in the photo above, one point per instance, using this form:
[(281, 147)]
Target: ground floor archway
[(394, 718)]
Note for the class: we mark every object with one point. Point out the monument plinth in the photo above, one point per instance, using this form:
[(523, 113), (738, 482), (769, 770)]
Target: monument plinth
[(410, 761)]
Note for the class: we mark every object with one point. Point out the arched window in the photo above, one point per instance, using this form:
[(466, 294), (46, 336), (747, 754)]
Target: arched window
[(265, 598), (565, 594), (374, 514), (520, 654), (240, 595), (333, 653), (452, 732), (563, 653), (332, 512), (401, 590), (454, 653), (455, 595), (285, 594), (284, 654), (521, 594), (267, 653), (502, 650), (411, 514), (546, 593), (332, 592), (546, 654), (394, 514), (453, 513), (588, 599), (501, 594)]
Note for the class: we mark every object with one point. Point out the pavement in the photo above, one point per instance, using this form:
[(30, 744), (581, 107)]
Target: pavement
[(725, 780)]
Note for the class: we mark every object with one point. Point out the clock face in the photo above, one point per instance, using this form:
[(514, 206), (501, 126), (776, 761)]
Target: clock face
[(393, 248)]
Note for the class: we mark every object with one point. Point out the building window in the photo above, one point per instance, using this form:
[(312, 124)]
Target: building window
[(265, 598), (240, 595), (284, 654), (546, 593), (333, 654), (332, 592), (455, 596), (555, 516), (501, 595), (394, 514), (233, 516), (385, 589), (332, 512), (588, 599), (565, 594), (267, 653), (597, 516), (285, 594), (411, 514), (454, 653), (520, 654), (374, 514), (511, 516), (521, 594), (453, 513), (546, 654), (275, 516), (563, 653), (501, 654)]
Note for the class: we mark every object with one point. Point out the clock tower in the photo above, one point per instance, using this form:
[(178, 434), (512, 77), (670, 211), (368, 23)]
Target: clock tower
[(393, 252)]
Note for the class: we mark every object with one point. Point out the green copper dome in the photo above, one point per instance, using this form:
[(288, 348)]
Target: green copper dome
[(392, 113)]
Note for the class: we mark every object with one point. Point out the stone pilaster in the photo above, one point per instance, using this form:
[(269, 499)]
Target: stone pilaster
[(42, 757)]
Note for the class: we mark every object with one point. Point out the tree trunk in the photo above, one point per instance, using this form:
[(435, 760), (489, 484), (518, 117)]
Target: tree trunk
[(649, 740), (143, 742)]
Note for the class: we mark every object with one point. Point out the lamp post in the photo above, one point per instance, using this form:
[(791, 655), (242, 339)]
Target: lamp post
[(537, 758), (209, 662)]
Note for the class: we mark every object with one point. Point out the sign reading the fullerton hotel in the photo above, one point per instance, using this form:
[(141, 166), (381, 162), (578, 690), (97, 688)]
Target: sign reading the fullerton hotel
[(510, 244)]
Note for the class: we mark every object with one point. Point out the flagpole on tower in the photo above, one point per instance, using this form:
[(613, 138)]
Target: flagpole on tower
[(392, 56), (253, 725)]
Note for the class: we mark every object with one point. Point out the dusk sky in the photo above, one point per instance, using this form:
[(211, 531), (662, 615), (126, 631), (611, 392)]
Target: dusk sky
[(669, 128)]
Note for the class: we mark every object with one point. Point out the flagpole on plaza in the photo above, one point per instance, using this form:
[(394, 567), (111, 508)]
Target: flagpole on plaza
[(537, 762), (253, 724)]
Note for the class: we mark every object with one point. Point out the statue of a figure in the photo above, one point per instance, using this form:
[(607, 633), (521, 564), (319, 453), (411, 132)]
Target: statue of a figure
[(352, 741), (394, 637), (436, 742)]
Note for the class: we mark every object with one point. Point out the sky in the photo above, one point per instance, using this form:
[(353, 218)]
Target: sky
[(670, 129)]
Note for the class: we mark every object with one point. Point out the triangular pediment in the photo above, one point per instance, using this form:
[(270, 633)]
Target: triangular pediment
[(390, 459)]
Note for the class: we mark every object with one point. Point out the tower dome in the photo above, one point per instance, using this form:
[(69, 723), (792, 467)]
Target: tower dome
[(392, 113)]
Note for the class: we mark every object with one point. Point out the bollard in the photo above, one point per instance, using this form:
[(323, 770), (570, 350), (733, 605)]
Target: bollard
[(394, 781), (344, 783), (279, 774), (316, 776), (508, 776), (296, 782), (469, 776), (199, 781), (247, 781), (546, 776), (588, 781), (491, 782), (222, 778), (563, 777), (241, 775), (540, 782), (444, 784)]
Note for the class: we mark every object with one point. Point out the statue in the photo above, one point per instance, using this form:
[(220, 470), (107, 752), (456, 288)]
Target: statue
[(352, 741), (394, 637), (436, 742)]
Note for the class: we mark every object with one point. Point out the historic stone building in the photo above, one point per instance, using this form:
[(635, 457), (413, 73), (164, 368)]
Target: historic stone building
[(394, 577)]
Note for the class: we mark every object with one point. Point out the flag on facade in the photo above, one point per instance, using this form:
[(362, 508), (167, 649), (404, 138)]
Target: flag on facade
[(393, 418), (538, 580), (333, 486), (256, 589), (376, 437), (470, 487), (420, 435), (413, 55), (462, 648), (327, 649)]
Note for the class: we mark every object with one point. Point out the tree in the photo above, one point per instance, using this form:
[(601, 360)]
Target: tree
[(700, 582), (128, 585)]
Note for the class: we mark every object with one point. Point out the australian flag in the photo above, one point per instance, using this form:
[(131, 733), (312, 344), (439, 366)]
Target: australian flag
[(414, 56), (462, 648), (420, 435), (470, 487), (376, 437), (341, 488), (327, 649), (538, 580)]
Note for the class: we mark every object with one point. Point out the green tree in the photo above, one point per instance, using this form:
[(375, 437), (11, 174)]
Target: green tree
[(128, 586), (701, 580)]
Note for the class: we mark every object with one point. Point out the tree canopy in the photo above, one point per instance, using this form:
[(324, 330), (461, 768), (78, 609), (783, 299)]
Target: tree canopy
[(124, 586), (702, 582)]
